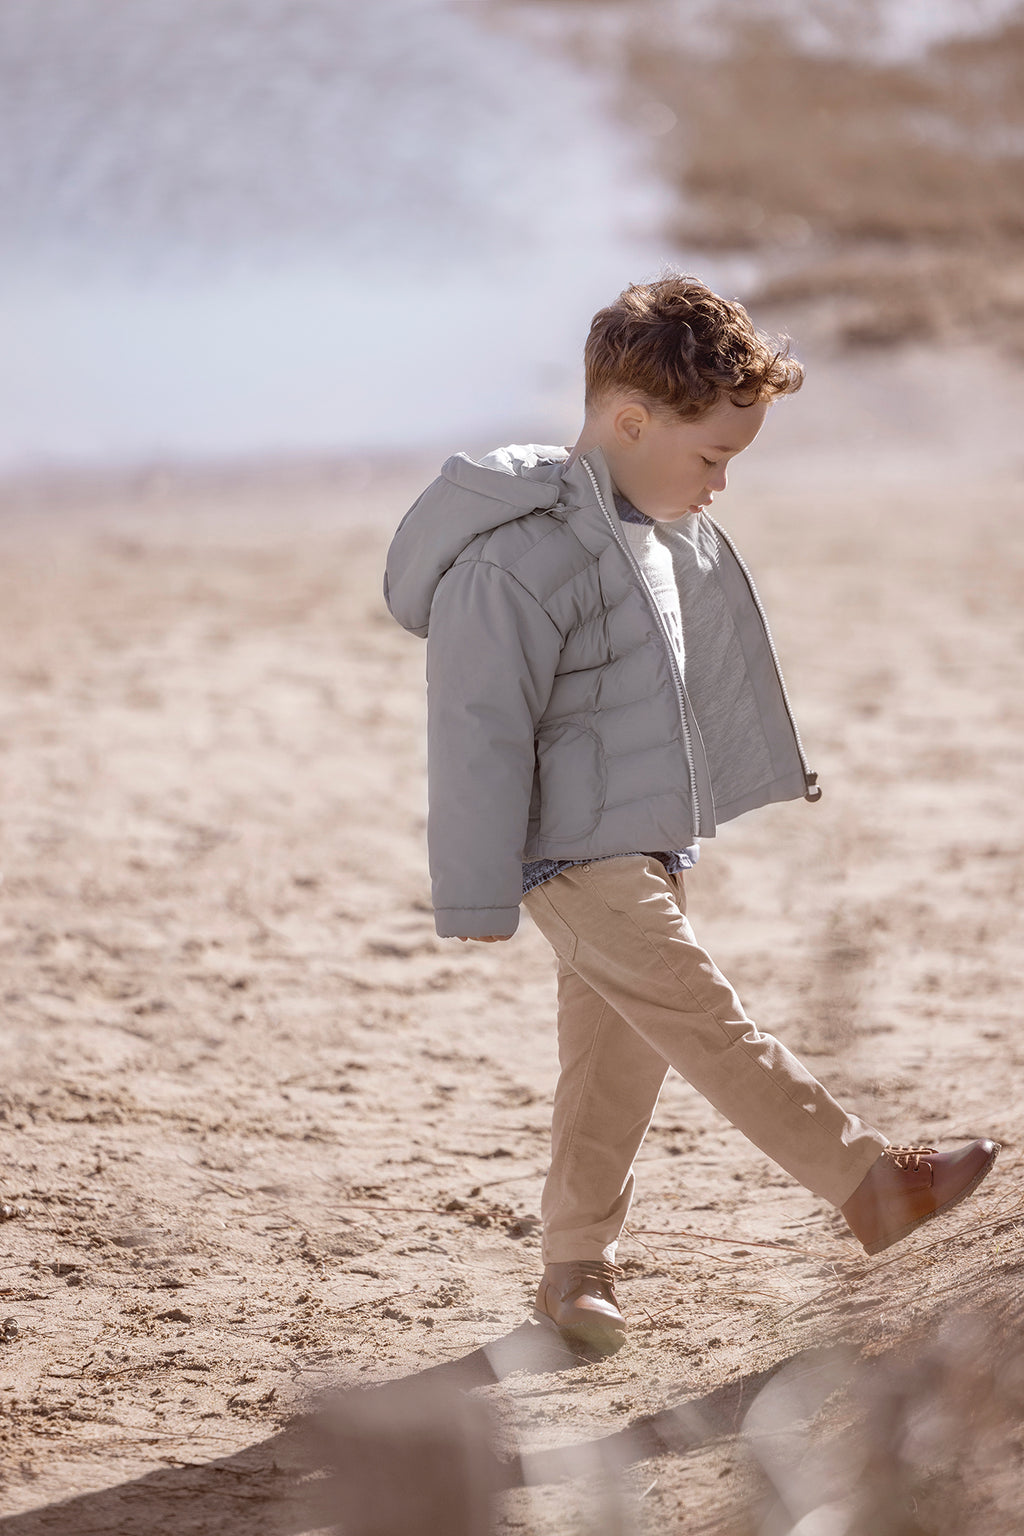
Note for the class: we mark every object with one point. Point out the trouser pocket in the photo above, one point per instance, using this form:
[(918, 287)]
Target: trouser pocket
[(553, 926)]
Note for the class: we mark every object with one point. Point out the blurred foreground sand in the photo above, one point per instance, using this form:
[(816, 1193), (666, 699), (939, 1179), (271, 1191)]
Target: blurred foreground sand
[(244, 1080)]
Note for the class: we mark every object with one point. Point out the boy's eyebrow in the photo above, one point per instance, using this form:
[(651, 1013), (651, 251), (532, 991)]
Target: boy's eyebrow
[(726, 449)]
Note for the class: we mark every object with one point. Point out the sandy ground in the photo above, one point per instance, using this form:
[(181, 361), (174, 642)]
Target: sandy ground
[(273, 1136)]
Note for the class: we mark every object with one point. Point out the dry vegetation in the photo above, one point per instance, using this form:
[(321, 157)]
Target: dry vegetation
[(889, 197)]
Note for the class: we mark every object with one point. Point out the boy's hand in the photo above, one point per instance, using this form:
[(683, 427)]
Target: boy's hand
[(492, 938)]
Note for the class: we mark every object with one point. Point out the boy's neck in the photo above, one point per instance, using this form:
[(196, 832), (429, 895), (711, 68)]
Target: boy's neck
[(590, 438), (583, 444)]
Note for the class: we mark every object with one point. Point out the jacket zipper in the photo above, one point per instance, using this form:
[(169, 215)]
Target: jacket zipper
[(680, 694), (813, 791)]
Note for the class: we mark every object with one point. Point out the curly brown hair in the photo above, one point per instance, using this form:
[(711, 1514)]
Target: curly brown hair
[(681, 346)]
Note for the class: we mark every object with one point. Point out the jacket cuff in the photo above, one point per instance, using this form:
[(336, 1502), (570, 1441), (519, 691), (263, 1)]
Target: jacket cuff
[(475, 922)]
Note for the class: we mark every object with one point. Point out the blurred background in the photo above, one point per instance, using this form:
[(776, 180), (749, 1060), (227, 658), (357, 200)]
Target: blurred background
[(290, 227)]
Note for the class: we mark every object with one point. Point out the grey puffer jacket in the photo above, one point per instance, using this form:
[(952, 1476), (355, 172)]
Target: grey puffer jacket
[(559, 723)]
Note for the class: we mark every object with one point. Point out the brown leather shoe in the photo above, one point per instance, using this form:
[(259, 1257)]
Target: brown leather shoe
[(908, 1185), (578, 1297)]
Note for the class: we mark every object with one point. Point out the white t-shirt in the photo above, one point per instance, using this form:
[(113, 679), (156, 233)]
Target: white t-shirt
[(655, 560)]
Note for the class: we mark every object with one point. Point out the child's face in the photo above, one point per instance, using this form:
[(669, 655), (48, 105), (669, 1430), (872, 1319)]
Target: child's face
[(667, 467)]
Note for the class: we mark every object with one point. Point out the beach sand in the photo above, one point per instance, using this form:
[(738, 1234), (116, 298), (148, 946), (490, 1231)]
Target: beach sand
[(273, 1136)]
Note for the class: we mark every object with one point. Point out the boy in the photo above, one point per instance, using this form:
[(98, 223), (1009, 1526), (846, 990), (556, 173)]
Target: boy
[(602, 691)]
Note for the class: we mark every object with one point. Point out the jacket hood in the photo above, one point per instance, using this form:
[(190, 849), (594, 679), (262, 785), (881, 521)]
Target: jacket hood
[(469, 497)]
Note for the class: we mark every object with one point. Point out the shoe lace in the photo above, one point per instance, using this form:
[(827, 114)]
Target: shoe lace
[(593, 1269), (907, 1156), (600, 1269)]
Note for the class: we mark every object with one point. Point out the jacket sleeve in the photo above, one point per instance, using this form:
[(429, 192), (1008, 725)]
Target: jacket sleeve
[(492, 651)]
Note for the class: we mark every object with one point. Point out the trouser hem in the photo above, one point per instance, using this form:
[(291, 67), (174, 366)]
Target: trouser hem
[(562, 1248), (859, 1171)]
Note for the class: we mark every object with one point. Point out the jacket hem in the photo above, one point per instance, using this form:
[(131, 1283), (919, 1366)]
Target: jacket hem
[(790, 786)]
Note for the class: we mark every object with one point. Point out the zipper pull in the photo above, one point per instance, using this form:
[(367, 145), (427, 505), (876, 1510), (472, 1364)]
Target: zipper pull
[(813, 787)]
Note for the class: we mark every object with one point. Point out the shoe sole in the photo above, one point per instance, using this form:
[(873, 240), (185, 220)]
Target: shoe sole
[(602, 1343), (968, 1189)]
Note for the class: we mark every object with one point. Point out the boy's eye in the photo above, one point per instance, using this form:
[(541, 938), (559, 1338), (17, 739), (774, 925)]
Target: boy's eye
[(709, 462)]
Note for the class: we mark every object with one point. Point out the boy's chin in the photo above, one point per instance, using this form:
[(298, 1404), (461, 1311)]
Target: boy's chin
[(673, 514)]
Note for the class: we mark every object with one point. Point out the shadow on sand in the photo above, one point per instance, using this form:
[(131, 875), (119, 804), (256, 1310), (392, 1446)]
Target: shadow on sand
[(410, 1457)]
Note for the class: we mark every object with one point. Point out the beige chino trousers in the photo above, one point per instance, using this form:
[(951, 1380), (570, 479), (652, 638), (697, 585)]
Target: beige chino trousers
[(636, 996)]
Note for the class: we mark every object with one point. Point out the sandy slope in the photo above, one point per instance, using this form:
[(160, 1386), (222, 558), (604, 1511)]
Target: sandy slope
[(244, 1081)]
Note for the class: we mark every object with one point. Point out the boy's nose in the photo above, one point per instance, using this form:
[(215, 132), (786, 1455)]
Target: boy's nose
[(717, 481)]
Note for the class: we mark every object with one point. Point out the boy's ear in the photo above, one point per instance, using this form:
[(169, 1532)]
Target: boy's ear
[(630, 421)]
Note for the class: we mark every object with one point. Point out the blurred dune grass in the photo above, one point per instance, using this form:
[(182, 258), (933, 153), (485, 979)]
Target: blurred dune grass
[(885, 194)]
